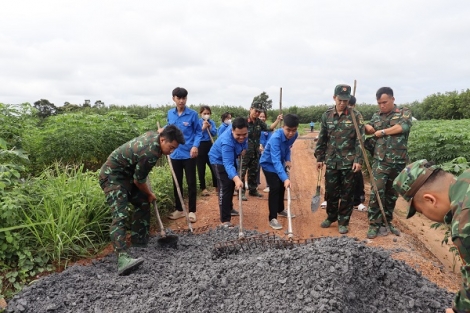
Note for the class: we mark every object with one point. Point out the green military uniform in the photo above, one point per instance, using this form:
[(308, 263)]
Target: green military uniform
[(458, 218), (251, 158), (390, 157), (339, 147), (131, 161)]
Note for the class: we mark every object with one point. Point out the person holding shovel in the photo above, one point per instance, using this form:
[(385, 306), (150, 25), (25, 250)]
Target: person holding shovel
[(184, 158), (123, 179), (223, 155), (209, 130), (338, 148), (390, 127), (251, 160), (442, 198), (274, 161)]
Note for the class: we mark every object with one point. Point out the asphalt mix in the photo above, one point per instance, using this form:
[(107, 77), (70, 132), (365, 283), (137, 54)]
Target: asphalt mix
[(333, 274)]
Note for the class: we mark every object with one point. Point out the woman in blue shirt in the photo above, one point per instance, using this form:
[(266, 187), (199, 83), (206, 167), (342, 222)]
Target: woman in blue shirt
[(226, 121), (209, 130)]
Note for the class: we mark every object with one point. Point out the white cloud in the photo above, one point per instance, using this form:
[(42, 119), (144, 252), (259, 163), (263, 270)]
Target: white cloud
[(227, 52)]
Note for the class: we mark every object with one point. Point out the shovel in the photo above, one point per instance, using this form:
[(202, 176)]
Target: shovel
[(290, 234), (316, 198), (241, 235), (165, 240)]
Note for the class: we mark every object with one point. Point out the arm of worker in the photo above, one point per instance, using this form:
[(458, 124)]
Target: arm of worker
[(197, 138), (359, 159), (212, 128), (394, 130), (144, 187), (461, 302), (276, 122), (320, 148), (276, 158)]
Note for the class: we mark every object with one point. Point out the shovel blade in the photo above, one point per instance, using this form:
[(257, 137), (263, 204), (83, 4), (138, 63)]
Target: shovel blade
[(168, 241), (315, 203)]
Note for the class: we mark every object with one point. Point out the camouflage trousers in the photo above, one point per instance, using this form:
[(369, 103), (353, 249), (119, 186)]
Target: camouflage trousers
[(118, 199), (250, 164), (384, 174), (339, 195)]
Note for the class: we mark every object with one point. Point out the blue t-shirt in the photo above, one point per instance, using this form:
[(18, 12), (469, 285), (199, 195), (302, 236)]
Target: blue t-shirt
[(222, 128), (188, 123), (276, 153), (225, 151)]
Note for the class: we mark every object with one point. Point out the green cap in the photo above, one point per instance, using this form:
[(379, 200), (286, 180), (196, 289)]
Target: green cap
[(410, 180), (343, 92), (257, 105)]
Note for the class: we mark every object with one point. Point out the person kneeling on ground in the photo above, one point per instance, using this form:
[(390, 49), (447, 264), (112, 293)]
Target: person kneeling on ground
[(274, 161), (123, 178), (223, 154), (442, 198)]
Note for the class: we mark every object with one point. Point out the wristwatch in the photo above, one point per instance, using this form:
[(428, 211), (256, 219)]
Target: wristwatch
[(383, 132)]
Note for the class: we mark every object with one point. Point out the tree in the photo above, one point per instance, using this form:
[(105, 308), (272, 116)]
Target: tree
[(263, 98), (45, 108)]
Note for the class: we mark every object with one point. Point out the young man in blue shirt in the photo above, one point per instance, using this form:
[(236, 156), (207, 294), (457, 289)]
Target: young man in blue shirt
[(223, 154), (184, 158), (274, 161)]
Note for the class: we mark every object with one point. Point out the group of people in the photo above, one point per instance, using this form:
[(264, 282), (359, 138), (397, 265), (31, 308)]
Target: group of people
[(189, 140), (339, 150)]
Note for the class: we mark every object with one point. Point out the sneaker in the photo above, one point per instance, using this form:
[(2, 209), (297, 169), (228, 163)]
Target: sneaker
[(176, 215), (284, 214), (192, 217), (226, 225), (394, 230), (235, 193), (234, 212), (361, 207), (323, 205), (343, 229), (126, 264), (275, 224), (205, 193), (266, 189), (255, 193), (372, 232), (326, 223), (244, 197)]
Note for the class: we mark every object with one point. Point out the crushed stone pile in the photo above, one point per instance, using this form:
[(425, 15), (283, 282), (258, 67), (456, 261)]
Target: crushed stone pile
[(335, 274)]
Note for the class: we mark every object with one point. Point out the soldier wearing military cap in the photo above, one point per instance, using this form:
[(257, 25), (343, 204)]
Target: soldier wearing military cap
[(441, 197), (338, 147), (251, 158), (390, 127)]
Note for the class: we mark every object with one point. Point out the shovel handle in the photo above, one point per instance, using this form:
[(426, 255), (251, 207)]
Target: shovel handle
[(159, 220), (240, 208)]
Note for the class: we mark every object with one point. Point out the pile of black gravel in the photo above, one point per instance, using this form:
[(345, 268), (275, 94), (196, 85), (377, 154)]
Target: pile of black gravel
[(335, 274)]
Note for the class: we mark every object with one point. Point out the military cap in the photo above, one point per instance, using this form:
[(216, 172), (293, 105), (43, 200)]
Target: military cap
[(257, 106), (343, 92), (410, 180)]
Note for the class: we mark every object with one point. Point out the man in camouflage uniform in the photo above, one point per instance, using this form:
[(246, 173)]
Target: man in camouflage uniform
[(251, 158), (339, 148), (442, 198), (123, 179), (390, 127)]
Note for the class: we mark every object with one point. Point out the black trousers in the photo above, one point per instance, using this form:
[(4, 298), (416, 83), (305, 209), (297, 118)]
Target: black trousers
[(359, 194), (202, 160), (226, 188), (276, 194), (189, 167)]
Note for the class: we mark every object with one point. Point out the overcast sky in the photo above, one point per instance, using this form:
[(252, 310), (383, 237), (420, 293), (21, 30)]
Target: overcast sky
[(227, 52)]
